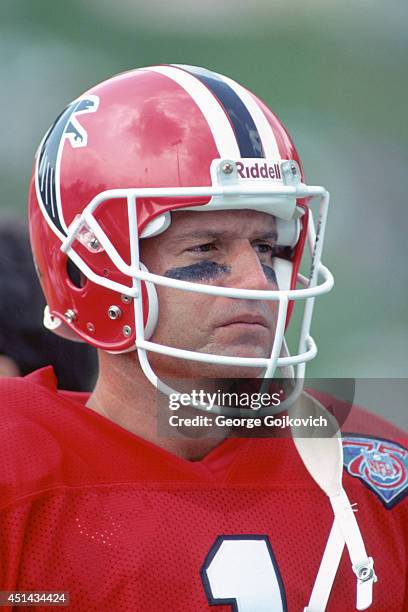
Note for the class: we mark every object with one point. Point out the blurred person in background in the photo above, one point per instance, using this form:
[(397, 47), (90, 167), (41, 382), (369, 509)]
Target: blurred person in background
[(25, 345)]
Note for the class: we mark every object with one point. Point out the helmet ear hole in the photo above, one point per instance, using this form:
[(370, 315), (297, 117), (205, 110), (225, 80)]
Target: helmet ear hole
[(75, 275)]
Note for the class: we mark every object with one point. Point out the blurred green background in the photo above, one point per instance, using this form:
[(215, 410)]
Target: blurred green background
[(334, 72)]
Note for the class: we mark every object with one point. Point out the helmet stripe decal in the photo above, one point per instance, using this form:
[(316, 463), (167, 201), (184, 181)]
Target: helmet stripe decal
[(245, 128), (210, 107)]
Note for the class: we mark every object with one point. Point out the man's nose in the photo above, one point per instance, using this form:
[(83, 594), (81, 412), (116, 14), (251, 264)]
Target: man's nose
[(247, 271)]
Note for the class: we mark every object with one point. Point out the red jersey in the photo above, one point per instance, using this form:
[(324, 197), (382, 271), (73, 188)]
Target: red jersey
[(89, 508)]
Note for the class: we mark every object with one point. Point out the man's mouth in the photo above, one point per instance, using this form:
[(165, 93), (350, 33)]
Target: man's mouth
[(246, 320)]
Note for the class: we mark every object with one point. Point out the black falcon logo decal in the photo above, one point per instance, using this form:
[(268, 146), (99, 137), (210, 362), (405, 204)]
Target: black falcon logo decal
[(47, 175)]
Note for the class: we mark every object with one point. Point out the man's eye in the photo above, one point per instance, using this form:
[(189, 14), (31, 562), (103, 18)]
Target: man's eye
[(263, 247), (202, 248)]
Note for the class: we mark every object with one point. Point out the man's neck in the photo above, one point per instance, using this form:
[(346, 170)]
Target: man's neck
[(125, 396)]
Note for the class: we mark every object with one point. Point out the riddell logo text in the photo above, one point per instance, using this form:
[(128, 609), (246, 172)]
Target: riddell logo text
[(258, 171)]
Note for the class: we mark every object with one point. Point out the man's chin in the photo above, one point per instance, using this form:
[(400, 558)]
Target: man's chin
[(244, 350), (169, 367), (210, 370)]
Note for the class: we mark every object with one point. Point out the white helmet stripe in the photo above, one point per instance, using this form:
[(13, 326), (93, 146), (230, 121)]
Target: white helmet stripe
[(212, 110)]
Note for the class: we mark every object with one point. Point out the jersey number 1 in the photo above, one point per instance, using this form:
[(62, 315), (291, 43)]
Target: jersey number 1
[(241, 571)]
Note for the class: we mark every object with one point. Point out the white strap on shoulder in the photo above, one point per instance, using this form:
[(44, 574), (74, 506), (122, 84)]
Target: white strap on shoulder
[(363, 566), (327, 571), (323, 458)]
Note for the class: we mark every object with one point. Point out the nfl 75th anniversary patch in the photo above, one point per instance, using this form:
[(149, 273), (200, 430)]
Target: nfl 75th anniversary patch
[(380, 464)]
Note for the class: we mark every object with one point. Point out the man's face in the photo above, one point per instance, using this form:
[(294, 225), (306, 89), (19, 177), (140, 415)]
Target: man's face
[(224, 248)]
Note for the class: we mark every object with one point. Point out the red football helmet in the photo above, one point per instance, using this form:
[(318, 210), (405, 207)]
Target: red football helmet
[(114, 165)]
